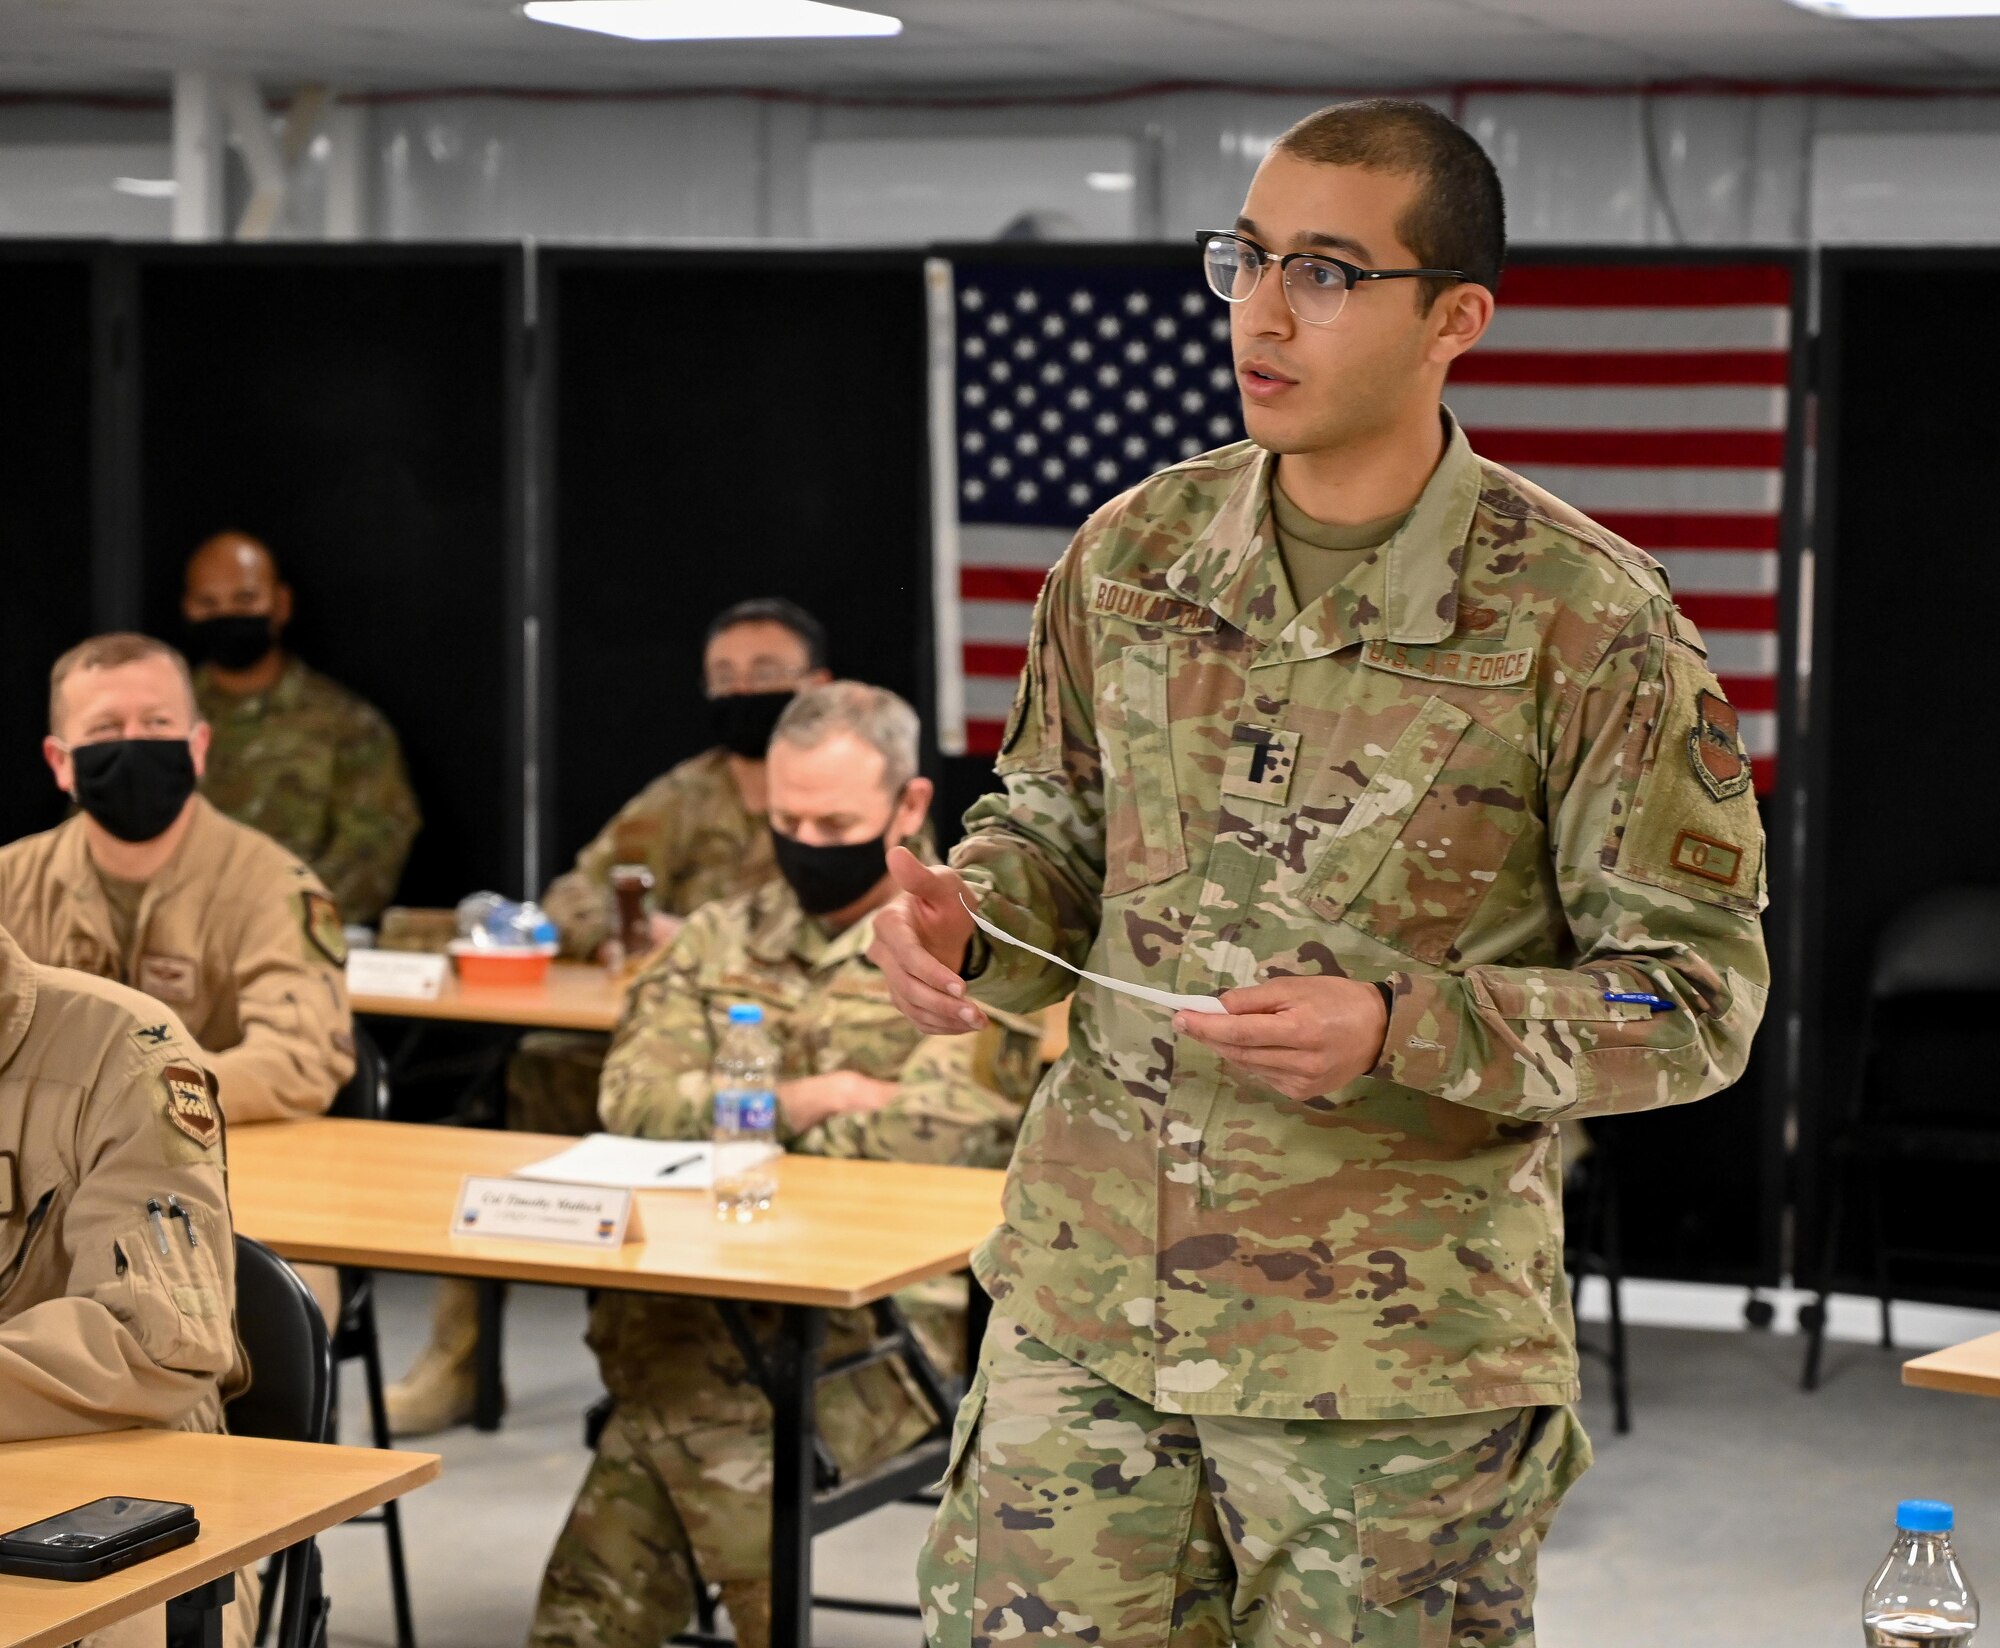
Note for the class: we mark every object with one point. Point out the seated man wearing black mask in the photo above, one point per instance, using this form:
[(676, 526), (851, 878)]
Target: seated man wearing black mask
[(679, 1489), (698, 832), (294, 755)]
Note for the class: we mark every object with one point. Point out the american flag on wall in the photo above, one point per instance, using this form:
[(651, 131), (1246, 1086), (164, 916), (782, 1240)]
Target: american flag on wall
[(1653, 397)]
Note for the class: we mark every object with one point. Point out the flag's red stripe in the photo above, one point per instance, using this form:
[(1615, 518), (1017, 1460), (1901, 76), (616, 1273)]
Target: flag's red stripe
[(995, 658), (1752, 612), (1634, 448), (983, 737), (1764, 769), (1692, 529), (1751, 692), (1645, 286), (1000, 583), (1636, 368)]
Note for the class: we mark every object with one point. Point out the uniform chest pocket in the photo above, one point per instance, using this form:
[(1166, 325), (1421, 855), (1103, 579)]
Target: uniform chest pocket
[(1143, 841), (1428, 837)]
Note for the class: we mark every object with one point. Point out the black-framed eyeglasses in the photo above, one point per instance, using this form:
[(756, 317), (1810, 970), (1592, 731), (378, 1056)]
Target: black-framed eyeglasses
[(1316, 286)]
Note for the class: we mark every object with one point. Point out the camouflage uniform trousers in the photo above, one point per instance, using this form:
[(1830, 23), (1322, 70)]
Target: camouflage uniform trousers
[(680, 1488), (552, 1082), (1077, 1512)]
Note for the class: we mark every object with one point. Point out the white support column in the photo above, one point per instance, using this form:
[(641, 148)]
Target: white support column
[(200, 143), (346, 172), (250, 126)]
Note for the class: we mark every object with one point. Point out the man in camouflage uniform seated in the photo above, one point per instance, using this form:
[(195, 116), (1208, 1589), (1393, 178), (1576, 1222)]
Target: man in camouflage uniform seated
[(292, 754), (700, 831), (680, 1486), (1460, 830)]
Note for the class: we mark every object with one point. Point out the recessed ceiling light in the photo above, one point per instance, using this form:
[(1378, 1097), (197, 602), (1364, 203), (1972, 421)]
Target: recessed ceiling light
[(1901, 11), (714, 19), (1110, 182)]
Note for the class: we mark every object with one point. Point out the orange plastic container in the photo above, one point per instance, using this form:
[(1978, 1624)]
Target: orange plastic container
[(518, 968)]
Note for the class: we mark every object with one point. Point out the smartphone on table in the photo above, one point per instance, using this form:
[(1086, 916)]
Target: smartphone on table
[(90, 1541)]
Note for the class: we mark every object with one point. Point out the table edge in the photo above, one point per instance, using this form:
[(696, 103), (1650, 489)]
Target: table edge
[(422, 1468)]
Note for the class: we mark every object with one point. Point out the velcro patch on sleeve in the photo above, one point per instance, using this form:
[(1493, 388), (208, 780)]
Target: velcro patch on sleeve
[(1471, 669), (1708, 858), (323, 926), (1149, 606), (190, 1105)]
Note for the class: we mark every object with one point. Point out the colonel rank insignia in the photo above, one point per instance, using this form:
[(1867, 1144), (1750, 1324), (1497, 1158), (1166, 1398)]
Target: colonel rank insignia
[(190, 1107), (323, 926), (1715, 747)]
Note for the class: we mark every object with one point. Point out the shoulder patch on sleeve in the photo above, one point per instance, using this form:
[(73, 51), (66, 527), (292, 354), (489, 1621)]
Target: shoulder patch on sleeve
[(190, 1105), (323, 926), (1688, 823)]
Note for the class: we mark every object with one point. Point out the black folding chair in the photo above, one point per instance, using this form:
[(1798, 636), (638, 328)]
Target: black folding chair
[(355, 1338), (1922, 1092), (290, 1397)]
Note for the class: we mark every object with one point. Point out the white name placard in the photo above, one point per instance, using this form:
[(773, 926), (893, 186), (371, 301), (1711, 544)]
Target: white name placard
[(521, 1210), (407, 973)]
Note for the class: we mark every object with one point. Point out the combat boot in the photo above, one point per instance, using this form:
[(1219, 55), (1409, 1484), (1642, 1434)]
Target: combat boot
[(749, 1605), (442, 1386)]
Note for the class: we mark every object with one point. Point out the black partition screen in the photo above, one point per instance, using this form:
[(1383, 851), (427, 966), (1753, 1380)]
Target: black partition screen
[(1906, 792), (358, 409), (47, 403), (720, 426)]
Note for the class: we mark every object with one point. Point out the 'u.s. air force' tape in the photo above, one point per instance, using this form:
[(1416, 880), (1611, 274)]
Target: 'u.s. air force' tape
[(1145, 992)]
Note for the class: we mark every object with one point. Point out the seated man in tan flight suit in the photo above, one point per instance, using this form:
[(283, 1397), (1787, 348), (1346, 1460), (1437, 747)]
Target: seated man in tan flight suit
[(118, 1308), (698, 831), (149, 885)]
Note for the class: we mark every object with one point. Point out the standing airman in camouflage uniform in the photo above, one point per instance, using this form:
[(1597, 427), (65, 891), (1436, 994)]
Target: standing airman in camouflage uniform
[(699, 830), (293, 754), (680, 1487), (1282, 1351)]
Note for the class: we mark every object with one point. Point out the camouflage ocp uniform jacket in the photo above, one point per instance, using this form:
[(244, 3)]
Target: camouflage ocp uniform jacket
[(319, 771), (1491, 769), (958, 1099)]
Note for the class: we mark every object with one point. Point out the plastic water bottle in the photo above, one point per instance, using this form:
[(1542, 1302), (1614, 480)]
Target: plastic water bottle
[(1919, 1597), (745, 1076)]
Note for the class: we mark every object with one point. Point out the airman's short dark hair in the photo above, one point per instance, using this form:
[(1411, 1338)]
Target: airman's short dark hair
[(1459, 218)]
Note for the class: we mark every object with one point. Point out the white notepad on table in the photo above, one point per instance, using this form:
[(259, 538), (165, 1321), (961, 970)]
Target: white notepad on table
[(629, 1164)]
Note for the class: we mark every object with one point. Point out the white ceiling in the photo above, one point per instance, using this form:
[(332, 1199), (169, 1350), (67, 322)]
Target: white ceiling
[(401, 44)]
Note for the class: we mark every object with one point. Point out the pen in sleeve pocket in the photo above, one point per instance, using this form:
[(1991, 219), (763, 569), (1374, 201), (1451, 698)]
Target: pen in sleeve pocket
[(159, 1223), (176, 1211), (1659, 1004)]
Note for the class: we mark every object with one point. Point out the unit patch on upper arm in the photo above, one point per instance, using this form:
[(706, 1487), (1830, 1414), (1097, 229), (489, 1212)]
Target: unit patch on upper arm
[(323, 926)]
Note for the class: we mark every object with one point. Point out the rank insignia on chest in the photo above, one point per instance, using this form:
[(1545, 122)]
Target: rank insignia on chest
[(323, 926), (1715, 748), (1260, 763), (190, 1107)]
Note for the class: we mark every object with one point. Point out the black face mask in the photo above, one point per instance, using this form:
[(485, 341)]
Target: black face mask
[(825, 879), (741, 722), (134, 787), (234, 641)]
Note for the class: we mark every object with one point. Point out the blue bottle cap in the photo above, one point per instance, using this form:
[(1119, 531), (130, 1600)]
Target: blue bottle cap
[(1924, 1516), (750, 1013)]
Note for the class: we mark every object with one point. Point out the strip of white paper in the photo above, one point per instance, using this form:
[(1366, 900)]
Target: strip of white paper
[(1145, 992)]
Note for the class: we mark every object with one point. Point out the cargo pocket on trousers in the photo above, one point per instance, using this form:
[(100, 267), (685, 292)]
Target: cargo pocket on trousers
[(963, 1427), (1142, 803), (1421, 1532)]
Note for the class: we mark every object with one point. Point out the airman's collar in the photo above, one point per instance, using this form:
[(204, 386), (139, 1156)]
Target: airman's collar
[(1406, 591)]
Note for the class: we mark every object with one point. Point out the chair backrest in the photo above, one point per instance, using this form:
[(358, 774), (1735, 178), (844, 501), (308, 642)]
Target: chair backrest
[(291, 1365), (1945, 943), (366, 1093)]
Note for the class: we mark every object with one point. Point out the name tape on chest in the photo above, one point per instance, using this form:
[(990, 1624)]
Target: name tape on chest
[(1470, 669), (1148, 606)]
